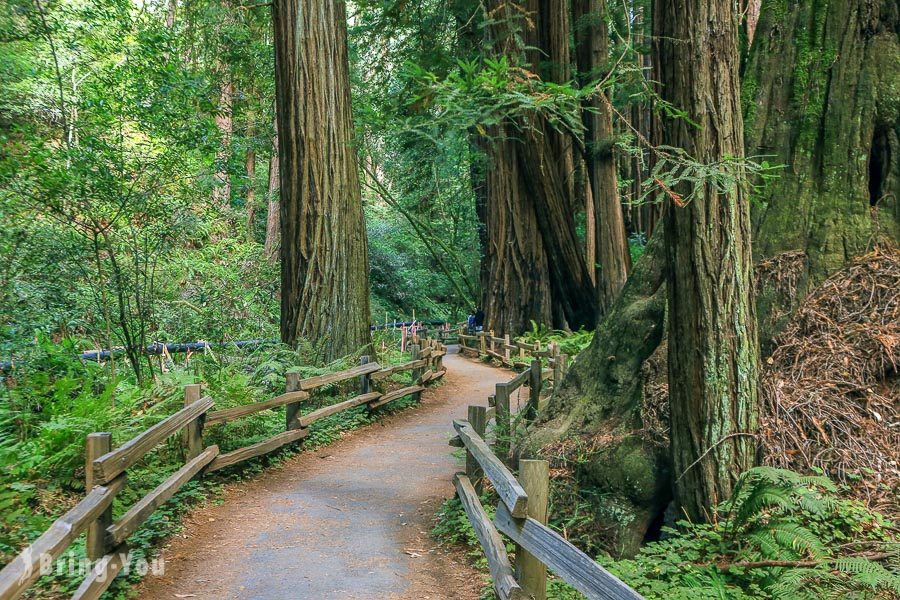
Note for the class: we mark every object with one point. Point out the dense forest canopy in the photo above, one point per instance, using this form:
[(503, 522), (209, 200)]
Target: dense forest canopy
[(138, 137), (698, 198)]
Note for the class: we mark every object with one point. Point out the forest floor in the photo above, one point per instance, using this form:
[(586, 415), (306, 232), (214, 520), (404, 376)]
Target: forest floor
[(350, 520)]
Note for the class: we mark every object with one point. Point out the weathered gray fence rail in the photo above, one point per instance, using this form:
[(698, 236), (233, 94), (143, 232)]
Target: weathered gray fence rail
[(521, 512)]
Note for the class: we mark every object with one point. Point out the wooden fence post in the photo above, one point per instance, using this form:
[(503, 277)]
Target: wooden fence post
[(534, 390), (192, 435), (417, 372), (563, 365), (506, 347), (502, 420), (365, 381), (557, 371), (478, 420), (97, 445), (292, 410), (534, 475)]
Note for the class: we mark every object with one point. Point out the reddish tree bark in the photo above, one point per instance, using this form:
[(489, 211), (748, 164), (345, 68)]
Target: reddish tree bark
[(324, 264), (713, 350)]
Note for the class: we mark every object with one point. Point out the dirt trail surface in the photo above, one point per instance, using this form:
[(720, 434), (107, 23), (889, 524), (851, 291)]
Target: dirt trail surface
[(350, 520)]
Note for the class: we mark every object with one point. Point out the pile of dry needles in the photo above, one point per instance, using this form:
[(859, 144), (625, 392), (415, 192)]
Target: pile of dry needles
[(831, 387)]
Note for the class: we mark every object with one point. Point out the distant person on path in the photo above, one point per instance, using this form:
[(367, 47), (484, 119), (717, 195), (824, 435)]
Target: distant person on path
[(470, 324), (479, 319)]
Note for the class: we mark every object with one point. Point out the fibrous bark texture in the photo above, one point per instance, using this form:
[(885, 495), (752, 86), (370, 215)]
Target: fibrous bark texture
[(515, 277), (535, 155), (324, 265), (713, 349), (821, 98), (592, 53), (273, 221)]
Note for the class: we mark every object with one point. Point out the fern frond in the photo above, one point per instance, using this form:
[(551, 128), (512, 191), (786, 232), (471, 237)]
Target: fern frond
[(766, 542), (795, 583), (799, 539), (857, 564), (760, 498)]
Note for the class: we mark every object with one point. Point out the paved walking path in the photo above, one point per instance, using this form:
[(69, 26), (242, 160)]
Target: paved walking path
[(351, 520)]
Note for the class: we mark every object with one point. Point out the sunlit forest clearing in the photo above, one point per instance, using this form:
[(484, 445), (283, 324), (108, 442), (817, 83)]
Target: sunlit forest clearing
[(643, 254)]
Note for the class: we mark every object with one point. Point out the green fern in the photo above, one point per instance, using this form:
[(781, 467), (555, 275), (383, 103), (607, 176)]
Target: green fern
[(798, 539), (810, 541)]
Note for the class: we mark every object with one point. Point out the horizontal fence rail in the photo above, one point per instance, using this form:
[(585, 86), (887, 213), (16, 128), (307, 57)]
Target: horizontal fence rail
[(514, 354), (106, 467), (521, 512)]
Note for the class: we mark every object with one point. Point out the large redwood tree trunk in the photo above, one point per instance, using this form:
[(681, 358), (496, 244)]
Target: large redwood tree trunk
[(820, 97), (713, 349), (543, 173), (592, 53), (324, 264), (515, 277)]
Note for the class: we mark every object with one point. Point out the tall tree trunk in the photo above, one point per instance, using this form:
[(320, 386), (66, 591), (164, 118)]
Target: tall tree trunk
[(590, 230), (550, 56), (573, 293), (221, 194), (515, 275), (592, 53), (713, 350), (324, 263), (820, 96), (171, 10), (273, 222), (249, 192), (541, 166), (646, 123)]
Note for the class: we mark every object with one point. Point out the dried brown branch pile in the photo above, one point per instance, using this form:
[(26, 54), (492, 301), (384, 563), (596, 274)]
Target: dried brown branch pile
[(831, 387)]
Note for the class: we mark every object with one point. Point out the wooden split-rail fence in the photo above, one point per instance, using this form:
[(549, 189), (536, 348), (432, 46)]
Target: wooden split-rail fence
[(522, 510), (106, 467), (513, 353)]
